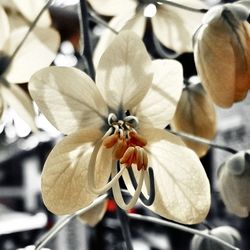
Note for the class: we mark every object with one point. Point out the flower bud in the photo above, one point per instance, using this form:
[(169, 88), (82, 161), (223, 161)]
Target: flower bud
[(226, 233), (222, 53), (195, 114), (234, 183)]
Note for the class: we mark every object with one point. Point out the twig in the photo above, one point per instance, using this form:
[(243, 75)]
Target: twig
[(99, 20), (203, 141), (181, 6), (32, 26), (64, 221), (182, 228), (87, 50)]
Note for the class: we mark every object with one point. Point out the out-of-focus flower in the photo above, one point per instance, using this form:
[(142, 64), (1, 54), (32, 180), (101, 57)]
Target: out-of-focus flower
[(119, 120), (25, 11), (195, 114), (222, 53), (38, 51), (227, 233), (234, 183), (173, 27)]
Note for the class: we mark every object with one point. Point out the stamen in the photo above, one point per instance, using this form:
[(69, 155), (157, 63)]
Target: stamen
[(91, 172), (136, 139), (112, 118), (118, 196), (132, 120), (120, 149), (128, 156), (110, 141)]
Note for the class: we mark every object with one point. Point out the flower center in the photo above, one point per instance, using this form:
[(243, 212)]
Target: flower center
[(127, 144)]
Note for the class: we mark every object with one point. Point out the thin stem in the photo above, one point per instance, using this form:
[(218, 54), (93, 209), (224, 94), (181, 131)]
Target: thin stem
[(87, 50), (163, 53), (64, 221), (32, 26), (182, 228), (99, 20), (123, 218), (203, 141), (181, 6)]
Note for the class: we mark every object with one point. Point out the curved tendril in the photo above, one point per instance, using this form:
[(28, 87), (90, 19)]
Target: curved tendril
[(151, 195), (161, 51), (117, 192), (91, 172)]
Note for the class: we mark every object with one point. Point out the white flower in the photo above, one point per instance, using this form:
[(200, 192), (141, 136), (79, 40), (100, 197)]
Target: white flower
[(173, 27), (120, 119), (38, 51), (222, 53)]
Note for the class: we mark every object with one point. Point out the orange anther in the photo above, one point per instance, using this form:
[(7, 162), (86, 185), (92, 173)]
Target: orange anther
[(136, 139), (110, 141), (139, 158), (120, 149), (128, 156), (145, 159)]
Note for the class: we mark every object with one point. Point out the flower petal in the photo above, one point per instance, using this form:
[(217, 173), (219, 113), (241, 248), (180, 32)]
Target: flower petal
[(126, 21), (174, 27), (68, 94), (112, 7), (5, 29), (30, 9), (158, 106), (181, 186), (18, 100), (94, 215), (64, 176), (124, 72), (37, 52)]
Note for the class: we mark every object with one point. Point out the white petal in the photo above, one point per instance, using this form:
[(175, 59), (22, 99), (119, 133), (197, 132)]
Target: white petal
[(112, 7), (124, 72), (126, 21), (64, 176), (18, 100), (4, 28), (174, 27), (94, 215), (181, 185), (30, 9), (68, 98), (158, 106), (37, 52)]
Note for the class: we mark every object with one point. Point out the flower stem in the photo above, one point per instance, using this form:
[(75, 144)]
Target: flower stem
[(64, 221), (181, 6), (123, 218), (99, 20), (32, 26), (87, 50), (182, 228), (203, 141)]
